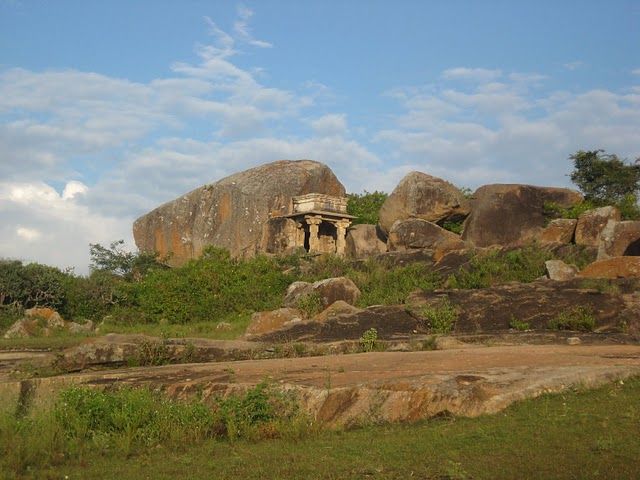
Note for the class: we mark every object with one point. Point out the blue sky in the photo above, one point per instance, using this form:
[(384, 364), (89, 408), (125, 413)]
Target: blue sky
[(108, 109)]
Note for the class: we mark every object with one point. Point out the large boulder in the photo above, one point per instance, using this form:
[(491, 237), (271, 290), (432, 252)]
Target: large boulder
[(416, 233), (559, 231), (231, 213), (419, 195), (619, 239), (591, 224), (364, 241), (512, 214), (328, 291), (615, 267)]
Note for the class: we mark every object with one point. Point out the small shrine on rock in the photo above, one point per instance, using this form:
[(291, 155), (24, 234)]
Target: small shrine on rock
[(318, 224)]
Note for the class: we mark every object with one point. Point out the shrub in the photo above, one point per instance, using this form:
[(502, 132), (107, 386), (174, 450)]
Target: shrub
[(211, 288), (518, 324), (577, 318), (369, 340), (365, 206), (441, 317), (310, 304)]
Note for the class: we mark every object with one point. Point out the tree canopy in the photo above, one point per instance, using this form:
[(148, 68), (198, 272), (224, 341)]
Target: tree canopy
[(604, 178)]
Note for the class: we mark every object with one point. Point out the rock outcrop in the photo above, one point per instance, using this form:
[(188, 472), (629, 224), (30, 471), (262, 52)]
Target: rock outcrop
[(511, 215), (591, 224), (615, 267), (44, 321), (232, 212), (419, 195), (364, 241), (619, 239), (535, 304), (416, 233)]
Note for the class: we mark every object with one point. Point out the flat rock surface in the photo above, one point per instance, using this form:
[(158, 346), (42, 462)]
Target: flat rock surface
[(381, 386)]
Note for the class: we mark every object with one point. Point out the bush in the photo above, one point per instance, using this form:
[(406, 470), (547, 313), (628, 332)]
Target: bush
[(31, 285), (211, 288), (440, 318), (578, 318), (365, 206), (369, 339)]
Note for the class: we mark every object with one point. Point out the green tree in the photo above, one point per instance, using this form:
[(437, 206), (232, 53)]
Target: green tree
[(604, 178), (120, 262), (365, 206)]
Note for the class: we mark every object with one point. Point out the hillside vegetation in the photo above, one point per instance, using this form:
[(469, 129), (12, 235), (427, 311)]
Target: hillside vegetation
[(217, 288)]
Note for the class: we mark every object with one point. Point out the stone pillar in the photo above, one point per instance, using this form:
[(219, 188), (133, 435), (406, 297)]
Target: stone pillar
[(314, 227), (341, 238)]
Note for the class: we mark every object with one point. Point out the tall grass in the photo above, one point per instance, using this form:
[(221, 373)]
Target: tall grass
[(83, 421)]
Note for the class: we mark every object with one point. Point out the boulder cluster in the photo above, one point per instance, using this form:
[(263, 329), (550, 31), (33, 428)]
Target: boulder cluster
[(44, 322), (423, 214)]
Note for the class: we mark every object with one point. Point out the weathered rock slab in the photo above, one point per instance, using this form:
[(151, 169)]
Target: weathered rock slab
[(536, 304), (379, 387)]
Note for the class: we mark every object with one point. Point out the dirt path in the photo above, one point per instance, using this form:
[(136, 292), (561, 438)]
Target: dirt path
[(387, 386)]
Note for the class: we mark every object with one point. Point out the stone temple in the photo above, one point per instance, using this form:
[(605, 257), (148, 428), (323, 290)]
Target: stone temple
[(318, 224)]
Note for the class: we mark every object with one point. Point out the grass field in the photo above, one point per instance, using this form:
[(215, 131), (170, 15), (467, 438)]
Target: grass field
[(576, 435)]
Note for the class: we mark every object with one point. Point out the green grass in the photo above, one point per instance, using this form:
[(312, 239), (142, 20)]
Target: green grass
[(579, 318), (576, 435)]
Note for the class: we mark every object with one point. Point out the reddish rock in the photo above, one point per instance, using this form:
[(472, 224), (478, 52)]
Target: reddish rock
[(559, 231), (511, 215), (419, 195), (619, 239), (615, 267), (591, 224), (264, 322), (364, 241), (231, 213)]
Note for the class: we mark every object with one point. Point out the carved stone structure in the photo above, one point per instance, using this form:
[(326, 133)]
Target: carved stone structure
[(318, 224)]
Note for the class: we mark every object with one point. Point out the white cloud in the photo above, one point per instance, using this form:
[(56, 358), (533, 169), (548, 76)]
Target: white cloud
[(574, 65), (330, 125), (473, 74), (504, 132), (28, 234), (74, 188), (635, 71), (41, 225), (242, 29)]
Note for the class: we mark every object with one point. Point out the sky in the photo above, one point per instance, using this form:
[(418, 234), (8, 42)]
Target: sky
[(109, 109)]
